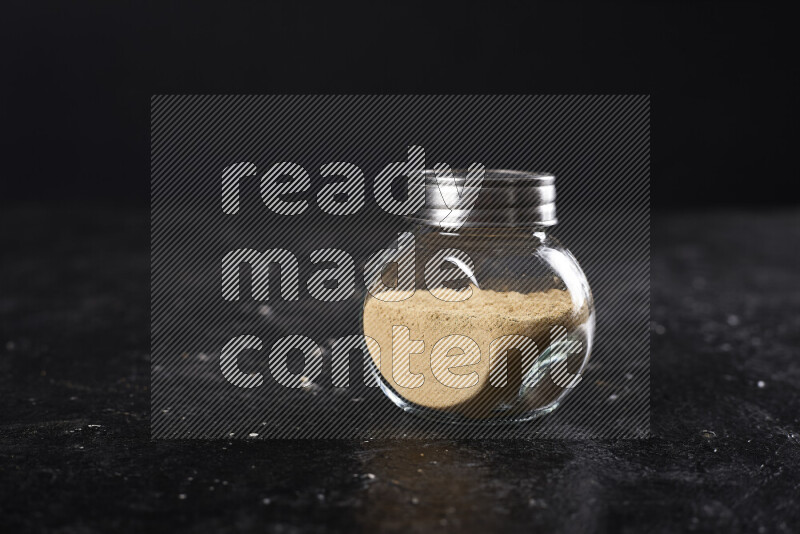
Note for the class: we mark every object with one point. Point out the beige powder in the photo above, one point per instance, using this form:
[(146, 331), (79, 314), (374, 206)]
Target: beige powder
[(484, 317)]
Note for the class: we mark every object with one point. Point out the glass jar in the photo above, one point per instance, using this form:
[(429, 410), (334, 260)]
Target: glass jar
[(482, 316)]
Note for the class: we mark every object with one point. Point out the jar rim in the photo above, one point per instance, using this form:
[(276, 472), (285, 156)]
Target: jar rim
[(501, 177)]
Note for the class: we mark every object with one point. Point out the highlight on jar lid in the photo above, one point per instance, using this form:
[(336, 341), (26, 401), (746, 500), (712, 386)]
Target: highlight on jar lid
[(478, 197)]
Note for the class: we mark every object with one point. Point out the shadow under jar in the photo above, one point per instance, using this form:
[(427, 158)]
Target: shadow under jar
[(498, 321)]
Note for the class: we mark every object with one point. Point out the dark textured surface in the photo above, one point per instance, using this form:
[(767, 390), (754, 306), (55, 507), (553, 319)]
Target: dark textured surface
[(75, 453)]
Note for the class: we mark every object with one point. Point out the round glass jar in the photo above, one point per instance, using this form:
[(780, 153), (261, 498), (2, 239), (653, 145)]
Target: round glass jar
[(497, 320)]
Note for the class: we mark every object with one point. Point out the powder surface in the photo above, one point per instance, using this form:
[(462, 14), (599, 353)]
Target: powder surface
[(486, 316)]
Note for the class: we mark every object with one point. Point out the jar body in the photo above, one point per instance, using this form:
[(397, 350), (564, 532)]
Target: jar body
[(498, 324)]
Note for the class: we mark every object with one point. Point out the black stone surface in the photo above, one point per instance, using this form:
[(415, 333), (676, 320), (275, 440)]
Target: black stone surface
[(76, 456)]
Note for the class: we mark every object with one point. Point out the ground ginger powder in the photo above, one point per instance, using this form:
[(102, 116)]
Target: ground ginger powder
[(486, 316)]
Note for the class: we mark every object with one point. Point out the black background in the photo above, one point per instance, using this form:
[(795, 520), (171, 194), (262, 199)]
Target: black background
[(75, 448), (77, 78)]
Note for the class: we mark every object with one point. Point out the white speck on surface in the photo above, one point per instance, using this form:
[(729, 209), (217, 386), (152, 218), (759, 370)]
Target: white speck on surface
[(265, 311), (708, 434), (266, 501), (628, 376), (308, 385), (659, 329), (203, 357), (733, 320), (613, 397), (182, 496), (761, 384), (414, 500), (252, 435), (537, 503)]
